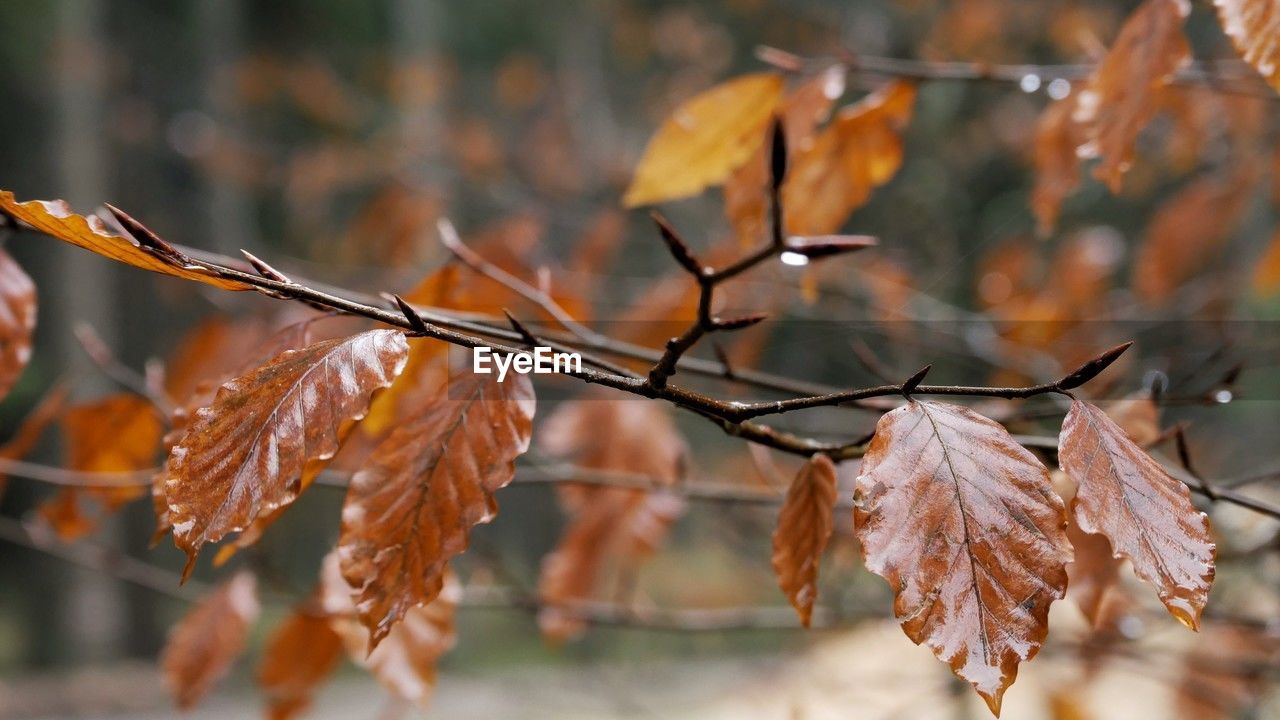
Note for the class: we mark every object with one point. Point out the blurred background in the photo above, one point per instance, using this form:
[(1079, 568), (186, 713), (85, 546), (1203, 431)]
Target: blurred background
[(328, 137)]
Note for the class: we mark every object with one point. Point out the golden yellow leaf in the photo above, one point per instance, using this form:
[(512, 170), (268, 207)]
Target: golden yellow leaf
[(55, 218), (705, 139)]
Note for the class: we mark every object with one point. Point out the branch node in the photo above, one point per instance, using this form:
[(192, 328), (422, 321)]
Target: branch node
[(145, 237), (519, 327), (1092, 368), (914, 381), (415, 320), (679, 248), (264, 269)]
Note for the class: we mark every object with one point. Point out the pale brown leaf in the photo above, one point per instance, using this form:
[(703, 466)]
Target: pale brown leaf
[(55, 218), (405, 661), (1226, 674), (17, 321), (964, 524), (412, 507), (1122, 94), (804, 528), (1124, 494), (1254, 28), (247, 453), (204, 644), (116, 434), (704, 139)]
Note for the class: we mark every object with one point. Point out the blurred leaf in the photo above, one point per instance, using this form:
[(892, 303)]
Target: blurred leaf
[(300, 655), (859, 151), (1127, 496), (412, 506), (246, 454), (1056, 162), (1186, 231), (705, 139), (17, 321), (1266, 273), (65, 515), (203, 645), (55, 218), (117, 434), (964, 524), (1253, 26), (1225, 675), (1122, 94), (31, 429), (804, 529)]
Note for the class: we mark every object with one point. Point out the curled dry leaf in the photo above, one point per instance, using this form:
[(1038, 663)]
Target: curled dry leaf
[(705, 139), (1056, 162), (859, 151), (405, 661), (412, 506), (247, 454), (1187, 231), (1122, 94), (17, 321), (300, 655), (55, 218), (804, 528), (964, 524), (1124, 494), (204, 644), (1253, 26)]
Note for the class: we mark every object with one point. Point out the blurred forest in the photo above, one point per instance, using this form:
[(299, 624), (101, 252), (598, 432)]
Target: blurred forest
[(330, 137)]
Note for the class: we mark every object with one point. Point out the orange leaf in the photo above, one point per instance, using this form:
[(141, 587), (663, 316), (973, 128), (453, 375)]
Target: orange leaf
[(803, 109), (1127, 496), (28, 434), (412, 507), (964, 524), (804, 528), (1253, 26), (859, 151), (55, 218), (1056, 163), (1122, 94), (117, 434), (705, 139), (65, 516), (299, 657), (1186, 232), (17, 321), (246, 454), (204, 644)]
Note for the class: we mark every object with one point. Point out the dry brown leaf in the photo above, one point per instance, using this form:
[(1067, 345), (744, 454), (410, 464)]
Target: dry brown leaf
[(705, 139), (859, 151), (405, 661), (17, 321), (1254, 26), (210, 353), (1124, 494), (411, 508), (964, 524), (246, 454), (803, 110), (804, 528), (1226, 673), (116, 434), (1122, 94), (55, 218), (1186, 232), (64, 514), (1138, 416), (1056, 162), (300, 655), (203, 645)]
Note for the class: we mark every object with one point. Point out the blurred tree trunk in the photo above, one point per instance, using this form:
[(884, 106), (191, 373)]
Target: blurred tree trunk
[(89, 607), (221, 26)]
